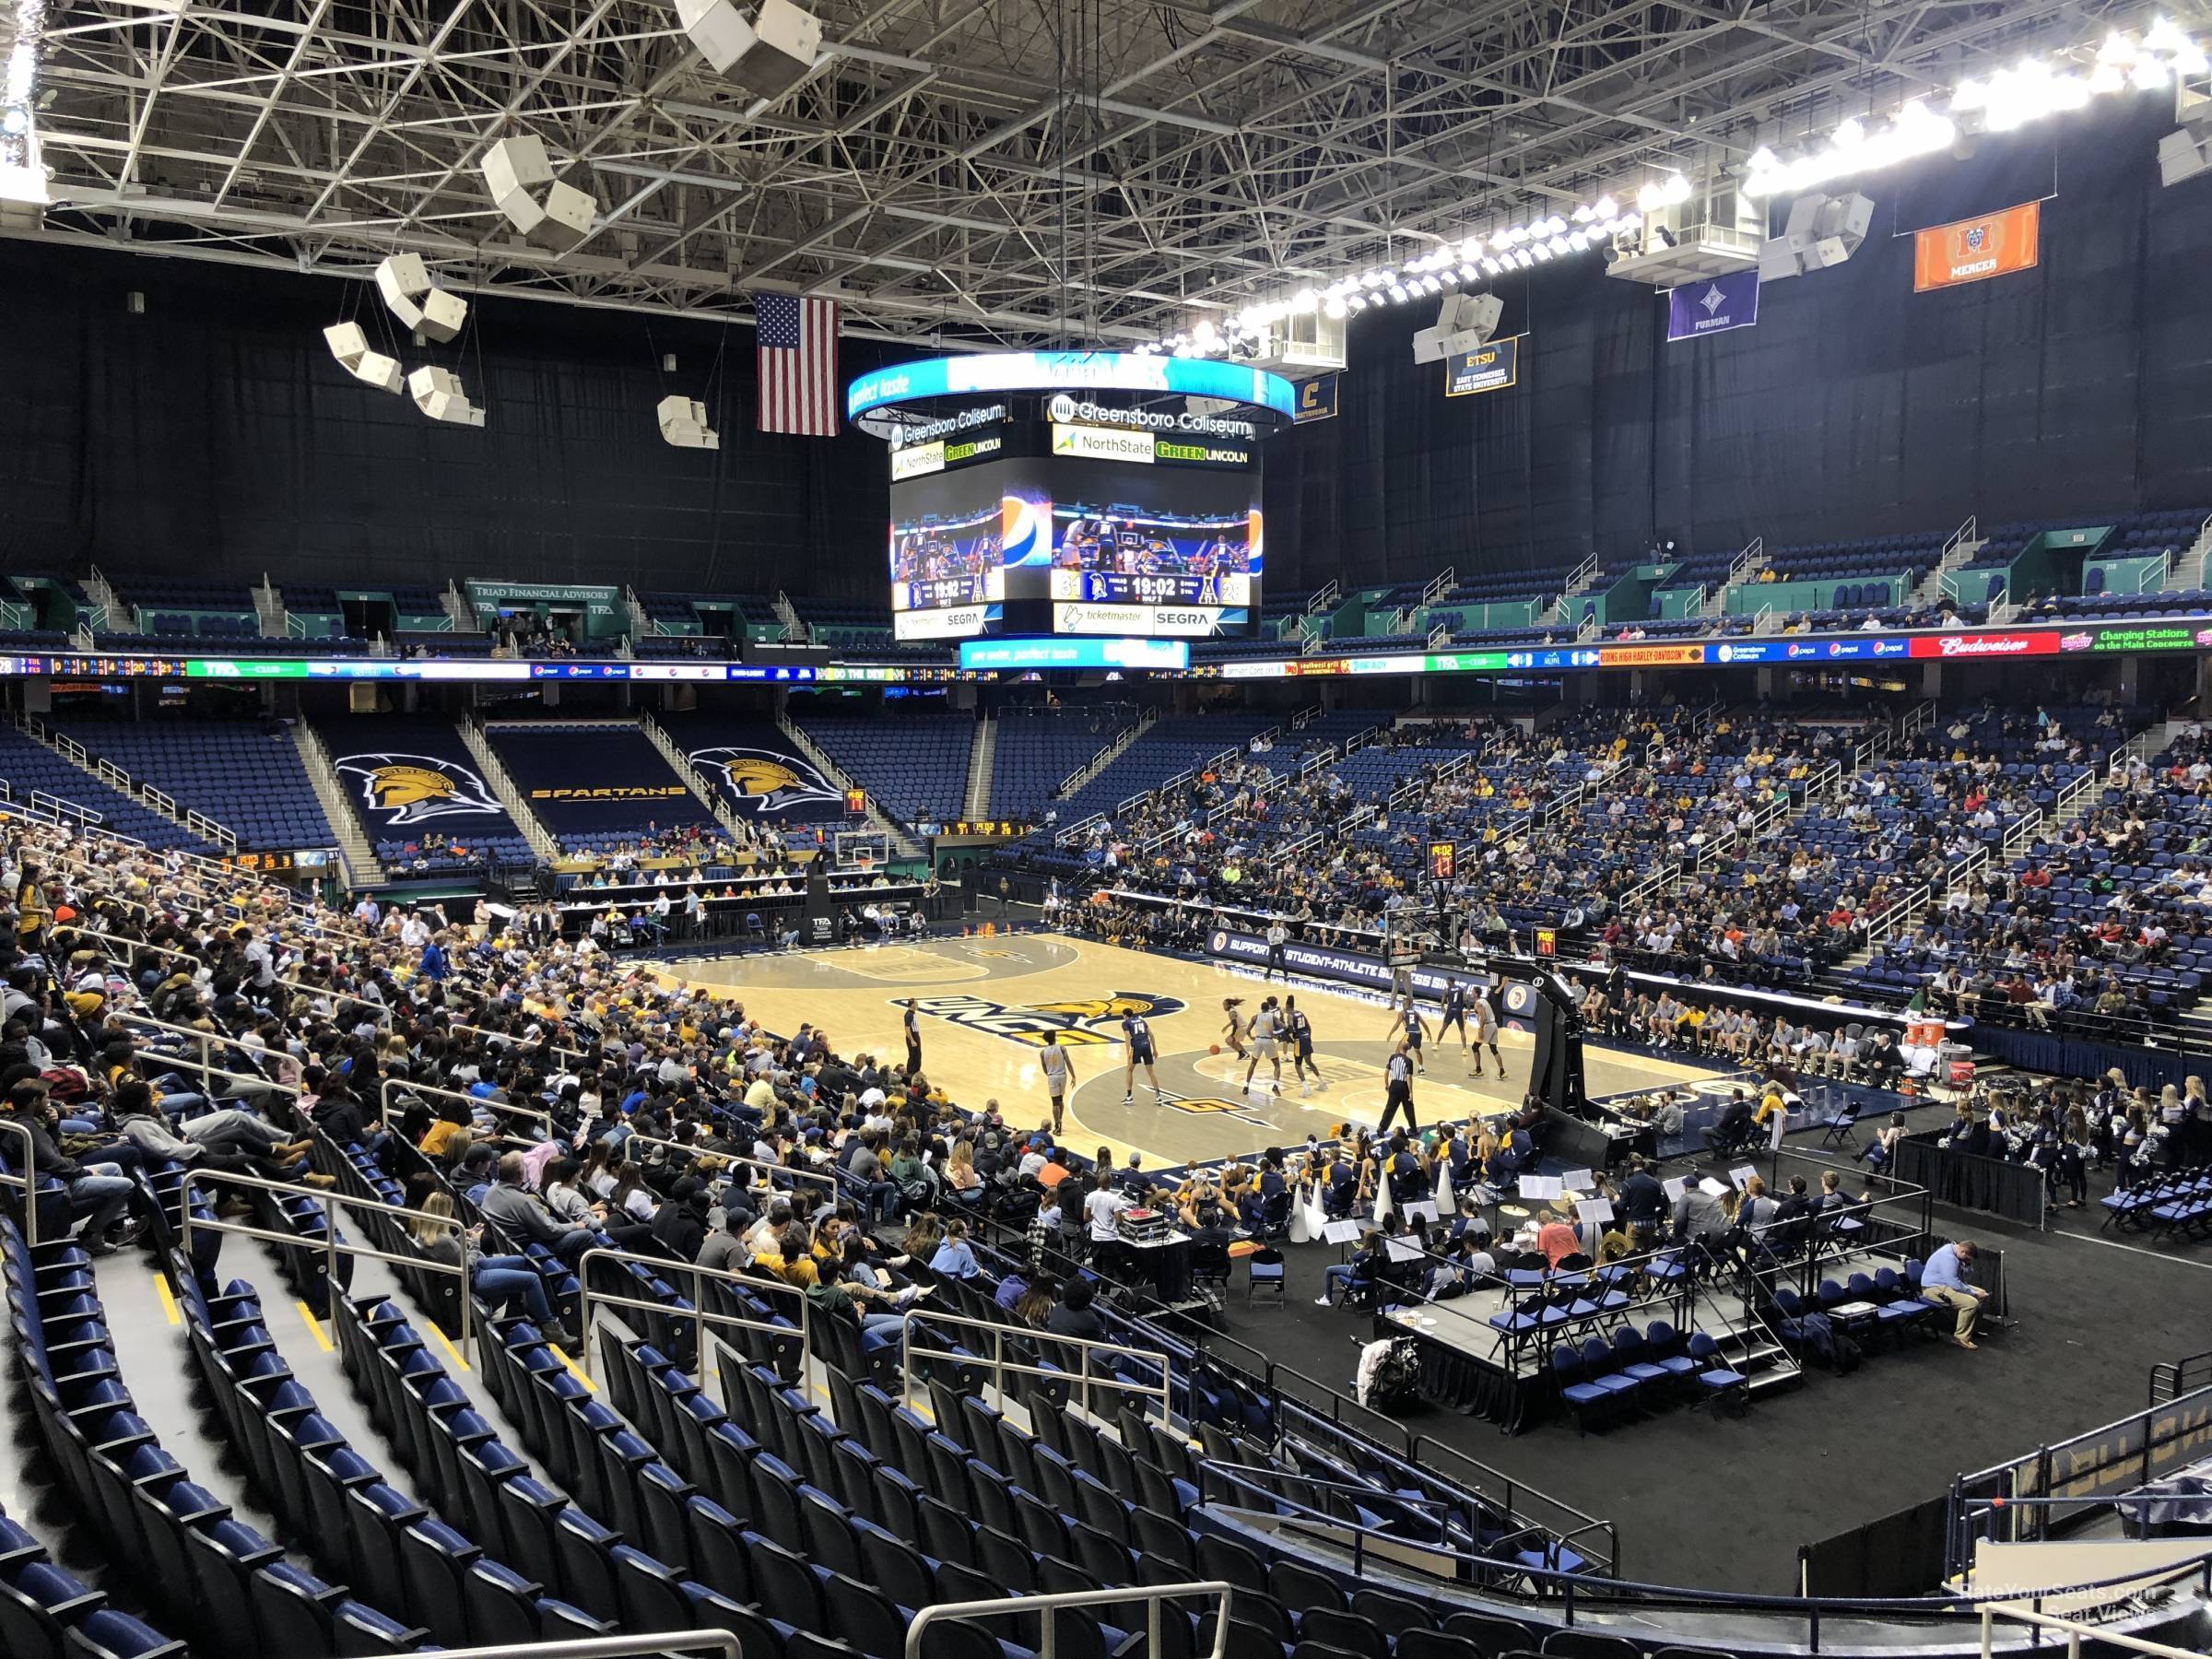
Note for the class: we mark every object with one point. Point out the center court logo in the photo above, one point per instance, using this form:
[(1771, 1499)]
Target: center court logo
[(414, 789), (762, 782), (1081, 1022)]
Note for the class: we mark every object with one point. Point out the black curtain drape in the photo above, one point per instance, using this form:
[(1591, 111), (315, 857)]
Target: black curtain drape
[(1855, 407), (214, 434)]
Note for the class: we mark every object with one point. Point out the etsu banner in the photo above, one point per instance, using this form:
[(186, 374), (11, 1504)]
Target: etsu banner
[(1974, 249), (1712, 305)]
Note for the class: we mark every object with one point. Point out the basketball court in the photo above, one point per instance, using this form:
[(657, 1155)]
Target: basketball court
[(987, 1006)]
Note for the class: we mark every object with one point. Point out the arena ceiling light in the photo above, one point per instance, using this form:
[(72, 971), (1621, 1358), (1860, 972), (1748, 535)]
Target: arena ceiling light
[(349, 344), (2012, 98), (405, 282), (23, 197), (1461, 263), (2031, 90), (439, 394)]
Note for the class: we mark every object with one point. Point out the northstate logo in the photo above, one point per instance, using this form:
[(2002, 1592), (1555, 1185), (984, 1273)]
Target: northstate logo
[(1086, 1020), (764, 781), (414, 789)]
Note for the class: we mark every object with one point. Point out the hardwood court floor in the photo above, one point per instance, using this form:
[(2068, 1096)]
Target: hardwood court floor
[(987, 1003)]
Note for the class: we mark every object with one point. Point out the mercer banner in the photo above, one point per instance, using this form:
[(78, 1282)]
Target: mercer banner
[(1974, 249), (1714, 305)]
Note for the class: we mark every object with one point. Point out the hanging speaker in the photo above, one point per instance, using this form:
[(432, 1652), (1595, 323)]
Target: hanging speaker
[(684, 423), (405, 282), (350, 347), (768, 56), (439, 394), (521, 180)]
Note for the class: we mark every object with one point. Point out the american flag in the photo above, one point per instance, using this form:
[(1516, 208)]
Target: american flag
[(798, 363)]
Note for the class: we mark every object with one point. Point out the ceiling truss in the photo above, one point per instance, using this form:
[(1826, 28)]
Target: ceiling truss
[(1007, 172)]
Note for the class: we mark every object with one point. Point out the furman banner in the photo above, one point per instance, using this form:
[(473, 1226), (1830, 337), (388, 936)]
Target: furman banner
[(1713, 306), (1977, 249)]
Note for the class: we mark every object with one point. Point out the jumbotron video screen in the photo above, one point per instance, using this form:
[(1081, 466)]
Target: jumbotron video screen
[(1078, 528)]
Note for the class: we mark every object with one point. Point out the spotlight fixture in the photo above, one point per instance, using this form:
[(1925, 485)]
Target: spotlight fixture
[(418, 303), (550, 213), (768, 56), (684, 423), (439, 394), (350, 347)]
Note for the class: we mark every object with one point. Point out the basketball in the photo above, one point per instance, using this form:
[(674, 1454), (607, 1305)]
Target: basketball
[(1214, 1048)]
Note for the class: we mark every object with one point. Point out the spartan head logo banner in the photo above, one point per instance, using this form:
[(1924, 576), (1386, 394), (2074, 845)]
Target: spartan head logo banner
[(764, 783), (413, 789)]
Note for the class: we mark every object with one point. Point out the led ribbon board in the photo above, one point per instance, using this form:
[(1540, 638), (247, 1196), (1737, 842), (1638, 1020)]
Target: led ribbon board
[(985, 373)]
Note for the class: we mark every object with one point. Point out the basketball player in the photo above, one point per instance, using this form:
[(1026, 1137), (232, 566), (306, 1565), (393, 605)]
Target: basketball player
[(1136, 1031), (1399, 1072), (1455, 1013), (1059, 1075), (1301, 1036), (1486, 1031), (1408, 1020), (1234, 1031), (1263, 1027)]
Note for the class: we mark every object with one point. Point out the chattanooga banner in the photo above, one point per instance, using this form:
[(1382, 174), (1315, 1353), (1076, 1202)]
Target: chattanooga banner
[(1974, 249), (1713, 306)]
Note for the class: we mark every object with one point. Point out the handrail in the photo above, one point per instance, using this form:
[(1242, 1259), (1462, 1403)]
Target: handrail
[(383, 1014), (2075, 1629), (330, 1199), (608, 1647), (512, 1041), (28, 1180), (207, 1040), (1153, 1595), (586, 1298), (1613, 1592), (2167, 1376), (1288, 1509), (516, 1109), (1001, 1366)]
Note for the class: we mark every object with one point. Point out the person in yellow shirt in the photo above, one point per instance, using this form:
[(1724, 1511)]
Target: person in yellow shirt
[(795, 1264), (452, 1117)]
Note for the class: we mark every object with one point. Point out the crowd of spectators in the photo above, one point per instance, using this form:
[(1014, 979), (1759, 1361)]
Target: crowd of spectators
[(569, 1100)]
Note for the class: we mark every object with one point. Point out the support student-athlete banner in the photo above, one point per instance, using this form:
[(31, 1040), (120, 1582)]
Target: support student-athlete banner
[(1974, 249)]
